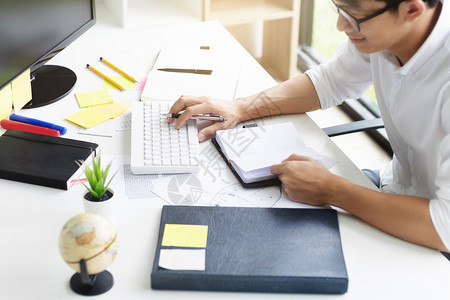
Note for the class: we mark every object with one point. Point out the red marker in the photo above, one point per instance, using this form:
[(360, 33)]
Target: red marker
[(8, 124)]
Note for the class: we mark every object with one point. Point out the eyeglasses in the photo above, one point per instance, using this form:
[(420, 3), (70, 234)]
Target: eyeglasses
[(354, 22)]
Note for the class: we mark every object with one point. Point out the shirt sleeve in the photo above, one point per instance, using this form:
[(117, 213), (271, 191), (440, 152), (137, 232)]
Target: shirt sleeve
[(346, 76), (440, 206)]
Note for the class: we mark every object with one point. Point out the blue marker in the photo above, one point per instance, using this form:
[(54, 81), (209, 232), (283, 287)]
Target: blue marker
[(36, 122)]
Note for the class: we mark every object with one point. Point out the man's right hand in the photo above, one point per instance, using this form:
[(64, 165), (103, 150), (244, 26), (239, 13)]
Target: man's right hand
[(192, 105)]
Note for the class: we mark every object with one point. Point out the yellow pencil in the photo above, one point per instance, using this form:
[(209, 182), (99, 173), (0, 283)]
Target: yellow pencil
[(105, 77), (117, 69)]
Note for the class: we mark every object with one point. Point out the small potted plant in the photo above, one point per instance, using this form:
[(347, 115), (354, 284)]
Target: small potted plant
[(98, 199)]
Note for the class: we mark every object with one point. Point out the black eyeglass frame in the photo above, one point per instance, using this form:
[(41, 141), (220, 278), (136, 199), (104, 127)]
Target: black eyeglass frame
[(356, 23)]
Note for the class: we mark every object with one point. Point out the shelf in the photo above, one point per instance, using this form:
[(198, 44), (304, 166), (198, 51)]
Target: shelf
[(246, 11), (280, 26), (268, 29)]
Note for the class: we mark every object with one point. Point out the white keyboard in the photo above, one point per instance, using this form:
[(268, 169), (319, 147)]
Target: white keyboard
[(156, 146)]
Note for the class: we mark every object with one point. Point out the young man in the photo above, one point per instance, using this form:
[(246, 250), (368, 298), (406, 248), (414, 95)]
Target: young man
[(403, 48)]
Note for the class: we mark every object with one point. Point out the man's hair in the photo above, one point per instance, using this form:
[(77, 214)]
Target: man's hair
[(395, 3)]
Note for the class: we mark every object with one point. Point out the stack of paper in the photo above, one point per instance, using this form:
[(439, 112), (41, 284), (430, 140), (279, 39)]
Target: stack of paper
[(197, 72)]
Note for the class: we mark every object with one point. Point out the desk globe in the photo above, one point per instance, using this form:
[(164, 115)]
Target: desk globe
[(88, 244)]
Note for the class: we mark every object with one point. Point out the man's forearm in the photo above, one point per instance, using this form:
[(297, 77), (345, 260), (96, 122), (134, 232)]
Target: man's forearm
[(406, 217), (296, 95)]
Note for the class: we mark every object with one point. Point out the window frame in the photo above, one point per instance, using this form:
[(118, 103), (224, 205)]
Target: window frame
[(307, 58)]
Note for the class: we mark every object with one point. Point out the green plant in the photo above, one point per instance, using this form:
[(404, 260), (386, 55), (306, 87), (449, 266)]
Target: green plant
[(96, 176)]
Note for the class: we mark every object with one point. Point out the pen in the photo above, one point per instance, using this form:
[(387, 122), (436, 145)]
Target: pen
[(198, 117), (193, 71), (117, 69), (105, 77), (37, 122), (8, 124)]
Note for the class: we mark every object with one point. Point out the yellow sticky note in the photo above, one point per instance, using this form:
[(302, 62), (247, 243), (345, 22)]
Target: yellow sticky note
[(179, 235), (88, 117), (114, 109), (5, 102), (21, 90), (87, 99), (122, 80)]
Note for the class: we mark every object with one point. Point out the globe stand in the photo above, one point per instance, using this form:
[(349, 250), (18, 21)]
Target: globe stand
[(90, 285)]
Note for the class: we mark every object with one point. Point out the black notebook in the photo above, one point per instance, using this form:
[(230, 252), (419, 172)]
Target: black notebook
[(279, 250), (41, 159), (257, 183)]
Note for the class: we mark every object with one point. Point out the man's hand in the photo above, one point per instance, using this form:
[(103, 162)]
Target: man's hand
[(206, 105), (305, 180)]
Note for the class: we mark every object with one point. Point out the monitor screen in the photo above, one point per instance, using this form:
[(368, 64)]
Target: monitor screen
[(32, 32)]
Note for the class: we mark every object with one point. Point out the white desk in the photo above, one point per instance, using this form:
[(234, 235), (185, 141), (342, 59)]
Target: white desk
[(31, 217)]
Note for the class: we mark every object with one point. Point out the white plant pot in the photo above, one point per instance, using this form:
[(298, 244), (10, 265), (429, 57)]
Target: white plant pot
[(103, 208)]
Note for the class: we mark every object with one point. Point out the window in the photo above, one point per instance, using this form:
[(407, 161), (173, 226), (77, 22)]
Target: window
[(325, 37), (318, 41)]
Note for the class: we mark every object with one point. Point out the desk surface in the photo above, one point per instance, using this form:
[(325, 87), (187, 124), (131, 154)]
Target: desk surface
[(379, 266)]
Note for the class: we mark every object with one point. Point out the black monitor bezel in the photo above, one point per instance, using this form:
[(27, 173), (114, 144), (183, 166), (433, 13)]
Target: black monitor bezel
[(40, 61)]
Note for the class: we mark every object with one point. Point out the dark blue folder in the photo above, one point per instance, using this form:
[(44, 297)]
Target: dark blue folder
[(277, 250)]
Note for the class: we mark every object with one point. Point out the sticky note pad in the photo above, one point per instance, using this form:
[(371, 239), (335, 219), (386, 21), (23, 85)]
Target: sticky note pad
[(114, 109), (87, 99), (88, 117), (182, 259), (5, 102), (21, 90), (180, 235), (122, 80)]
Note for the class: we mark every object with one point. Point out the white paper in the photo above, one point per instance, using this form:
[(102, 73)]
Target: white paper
[(265, 159), (169, 86), (245, 142), (182, 259), (125, 121), (221, 63), (106, 129)]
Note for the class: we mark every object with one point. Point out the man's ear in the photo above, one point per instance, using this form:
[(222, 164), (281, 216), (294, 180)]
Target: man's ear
[(411, 9)]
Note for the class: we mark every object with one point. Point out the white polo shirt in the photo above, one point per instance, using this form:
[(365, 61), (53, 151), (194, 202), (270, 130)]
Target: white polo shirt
[(414, 101)]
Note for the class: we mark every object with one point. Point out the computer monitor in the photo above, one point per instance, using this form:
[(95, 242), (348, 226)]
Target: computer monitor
[(31, 33)]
